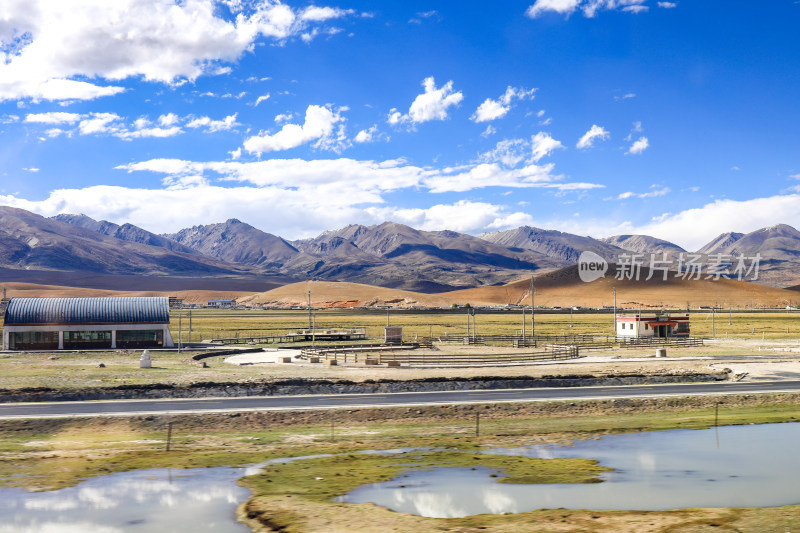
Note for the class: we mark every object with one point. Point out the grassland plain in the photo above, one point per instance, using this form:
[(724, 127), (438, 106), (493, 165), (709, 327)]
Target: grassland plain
[(211, 323), (761, 334), (48, 454)]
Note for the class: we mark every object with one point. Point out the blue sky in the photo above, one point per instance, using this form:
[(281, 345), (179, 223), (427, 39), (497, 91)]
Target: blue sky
[(599, 117)]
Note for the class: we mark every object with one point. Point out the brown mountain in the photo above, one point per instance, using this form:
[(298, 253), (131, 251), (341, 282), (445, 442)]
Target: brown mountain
[(36, 249), (398, 256), (565, 247), (125, 232), (778, 246), (644, 244), (234, 241), (721, 242)]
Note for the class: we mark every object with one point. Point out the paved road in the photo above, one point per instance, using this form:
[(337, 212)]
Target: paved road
[(348, 401)]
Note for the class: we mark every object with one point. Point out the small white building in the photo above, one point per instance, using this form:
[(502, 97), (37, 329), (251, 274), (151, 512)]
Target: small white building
[(661, 325)]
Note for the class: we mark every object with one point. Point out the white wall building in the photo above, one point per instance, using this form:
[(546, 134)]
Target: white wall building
[(661, 325)]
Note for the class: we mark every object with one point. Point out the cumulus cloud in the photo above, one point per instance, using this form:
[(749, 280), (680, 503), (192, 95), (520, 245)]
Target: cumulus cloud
[(430, 105), (588, 138), (640, 145), (295, 197), (210, 125), (262, 98), (494, 109), (512, 152), (320, 126), (166, 125), (542, 144), (53, 118), (46, 45), (588, 7), (368, 135), (565, 7)]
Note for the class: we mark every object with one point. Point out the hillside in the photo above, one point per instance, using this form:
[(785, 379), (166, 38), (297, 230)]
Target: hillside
[(565, 247)]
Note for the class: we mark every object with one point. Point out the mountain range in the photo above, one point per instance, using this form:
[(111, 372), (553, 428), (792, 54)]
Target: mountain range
[(77, 248)]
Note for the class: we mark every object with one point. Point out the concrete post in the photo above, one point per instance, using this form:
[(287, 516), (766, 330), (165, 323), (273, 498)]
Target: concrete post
[(60, 340), (144, 360), (113, 339)]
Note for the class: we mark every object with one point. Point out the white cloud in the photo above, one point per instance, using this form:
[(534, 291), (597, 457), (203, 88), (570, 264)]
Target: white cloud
[(589, 7), (490, 130), (284, 117), (595, 132), (639, 146), (296, 198), (512, 152), (113, 124), (141, 133), (157, 40), (9, 119), (170, 119), (31, 169), (319, 125), (263, 98), (367, 136), (654, 192), (212, 126), (97, 123), (433, 14), (430, 105), (53, 118), (626, 96), (558, 6), (462, 216), (321, 14), (667, 5), (494, 109), (542, 144)]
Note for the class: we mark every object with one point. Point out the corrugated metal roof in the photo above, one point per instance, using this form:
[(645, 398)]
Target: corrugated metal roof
[(114, 310)]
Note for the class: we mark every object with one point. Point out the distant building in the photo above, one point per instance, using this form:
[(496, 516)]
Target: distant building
[(221, 303), (86, 323), (653, 325)]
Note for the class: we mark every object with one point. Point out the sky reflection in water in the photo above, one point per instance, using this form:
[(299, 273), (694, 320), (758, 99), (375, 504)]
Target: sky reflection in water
[(733, 466)]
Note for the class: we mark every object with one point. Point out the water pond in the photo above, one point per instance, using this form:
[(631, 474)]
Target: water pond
[(733, 466), (739, 466)]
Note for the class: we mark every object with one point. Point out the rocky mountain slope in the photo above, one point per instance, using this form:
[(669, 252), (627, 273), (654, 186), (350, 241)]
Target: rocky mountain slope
[(36, 248), (644, 244), (555, 244), (125, 232), (388, 255)]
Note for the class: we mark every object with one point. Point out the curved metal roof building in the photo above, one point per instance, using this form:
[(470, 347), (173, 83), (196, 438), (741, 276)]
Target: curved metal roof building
[(67, 311)]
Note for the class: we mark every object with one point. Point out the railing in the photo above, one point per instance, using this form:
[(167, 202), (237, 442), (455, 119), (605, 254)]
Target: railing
[(633, 342)]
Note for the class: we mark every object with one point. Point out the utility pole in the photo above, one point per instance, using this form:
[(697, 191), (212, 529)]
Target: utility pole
[(473, 324), (713, 327), (615, 311), (570, 317), (729, 316), (533, 310), (523, 323), (180, 331), (467, 322), (309, 310), (190, 326)]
